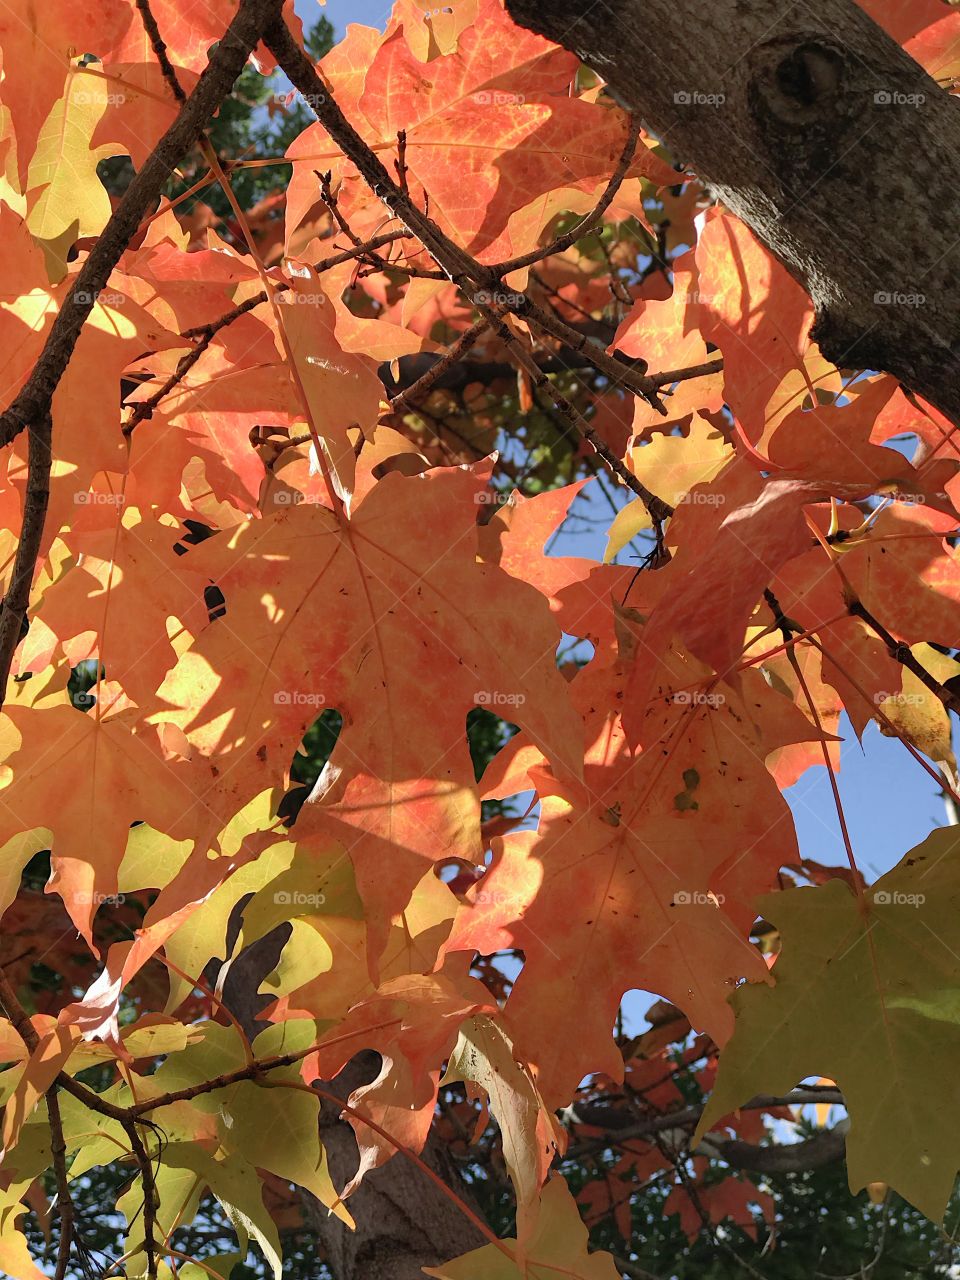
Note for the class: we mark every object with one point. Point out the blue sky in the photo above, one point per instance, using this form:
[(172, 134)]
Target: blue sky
[(373, 13)]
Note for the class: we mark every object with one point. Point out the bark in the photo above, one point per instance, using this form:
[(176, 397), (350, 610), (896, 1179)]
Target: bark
[(824, 136), (404, 1223)]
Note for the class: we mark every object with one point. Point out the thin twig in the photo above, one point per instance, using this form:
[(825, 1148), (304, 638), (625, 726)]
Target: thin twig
[(902, 653), (423, 384), (159, 47), (150, 1197), (587, 224)]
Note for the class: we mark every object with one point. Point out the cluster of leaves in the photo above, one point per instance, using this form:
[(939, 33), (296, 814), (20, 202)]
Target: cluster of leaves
[(299, 665)]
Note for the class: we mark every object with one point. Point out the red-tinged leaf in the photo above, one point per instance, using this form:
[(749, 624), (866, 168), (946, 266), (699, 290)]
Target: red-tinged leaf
[(503, 90), (927, 32), (760, 318), (755, 527), (413, 1023), (832, 446), (731, 1198), (393, 600)]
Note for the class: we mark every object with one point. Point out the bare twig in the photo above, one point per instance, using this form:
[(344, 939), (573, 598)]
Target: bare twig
[(901, 653), (159, 47), (480, 284), (622, 1126), (587, 224), (150, 1197), (435, 373)]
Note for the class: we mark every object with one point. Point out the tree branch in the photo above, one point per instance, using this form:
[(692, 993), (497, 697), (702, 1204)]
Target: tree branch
[(587, 224), (13, 615), (793, 115), (228, 60), (901, 653)]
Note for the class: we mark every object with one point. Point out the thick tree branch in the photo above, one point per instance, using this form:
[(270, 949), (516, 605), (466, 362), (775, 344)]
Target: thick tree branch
[(798, 117), (13, 615), (622, 1125)]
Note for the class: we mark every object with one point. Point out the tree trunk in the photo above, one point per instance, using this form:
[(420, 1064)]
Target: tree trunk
[(404, 1223), (824, 136)]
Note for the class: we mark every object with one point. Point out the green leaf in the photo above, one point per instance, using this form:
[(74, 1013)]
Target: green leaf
[(865, 995), (559, 1248)]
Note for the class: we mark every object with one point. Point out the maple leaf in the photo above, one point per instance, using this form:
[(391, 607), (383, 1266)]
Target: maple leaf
[(360, 618), (121, 777), (638, 859), (483, 1058), (755, 312), (859, 981), (114, 605), (38, 58), (559, 1248), (731, 1198), (489, 129)]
